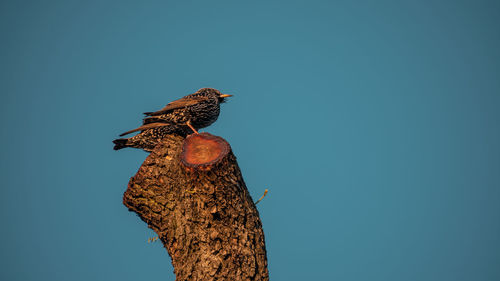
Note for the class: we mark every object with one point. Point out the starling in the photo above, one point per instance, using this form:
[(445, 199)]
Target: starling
[(185, 115)]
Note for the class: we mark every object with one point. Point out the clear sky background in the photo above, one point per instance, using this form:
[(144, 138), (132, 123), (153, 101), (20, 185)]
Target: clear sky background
[(374, 124)]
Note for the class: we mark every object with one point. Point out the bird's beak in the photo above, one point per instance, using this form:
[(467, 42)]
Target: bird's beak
[(225, 96)]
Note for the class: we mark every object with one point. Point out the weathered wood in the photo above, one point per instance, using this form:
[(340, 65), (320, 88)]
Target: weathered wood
[(205, 218)]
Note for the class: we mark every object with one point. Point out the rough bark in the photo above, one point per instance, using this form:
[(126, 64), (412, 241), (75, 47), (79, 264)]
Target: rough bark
[(205, 218)]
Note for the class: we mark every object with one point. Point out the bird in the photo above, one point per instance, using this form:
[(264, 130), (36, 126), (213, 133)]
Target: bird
[(182, 116)]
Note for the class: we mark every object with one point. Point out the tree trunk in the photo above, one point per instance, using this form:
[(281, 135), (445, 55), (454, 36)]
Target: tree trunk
[(192, 194)]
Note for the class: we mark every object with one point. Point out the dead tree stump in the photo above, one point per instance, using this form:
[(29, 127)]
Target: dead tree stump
[(192, 194)]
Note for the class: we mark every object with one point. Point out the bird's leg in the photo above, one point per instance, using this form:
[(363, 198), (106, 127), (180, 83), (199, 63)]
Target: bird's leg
[(191, 126)]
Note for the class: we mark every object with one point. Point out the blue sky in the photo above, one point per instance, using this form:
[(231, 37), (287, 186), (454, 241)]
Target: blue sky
[(374, 125)]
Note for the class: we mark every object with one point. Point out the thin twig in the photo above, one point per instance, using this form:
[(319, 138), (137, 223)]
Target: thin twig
[(264, 195)]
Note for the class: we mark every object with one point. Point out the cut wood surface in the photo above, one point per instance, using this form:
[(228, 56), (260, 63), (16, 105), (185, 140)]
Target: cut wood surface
[(192, 194), (203, 151)]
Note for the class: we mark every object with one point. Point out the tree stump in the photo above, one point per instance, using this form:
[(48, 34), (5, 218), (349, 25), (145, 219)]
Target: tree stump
[(191, 193)]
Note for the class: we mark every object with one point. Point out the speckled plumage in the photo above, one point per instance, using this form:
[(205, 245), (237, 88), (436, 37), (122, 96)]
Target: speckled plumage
[(200, 109)]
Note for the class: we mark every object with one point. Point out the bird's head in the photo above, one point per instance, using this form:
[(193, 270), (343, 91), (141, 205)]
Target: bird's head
[(214, 93)]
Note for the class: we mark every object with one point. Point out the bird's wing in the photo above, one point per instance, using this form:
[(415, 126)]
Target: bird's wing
[(154, 119), (180, 103), (145, 127)]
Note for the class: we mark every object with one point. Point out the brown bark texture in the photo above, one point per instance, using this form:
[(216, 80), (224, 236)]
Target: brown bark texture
[(205, 218)]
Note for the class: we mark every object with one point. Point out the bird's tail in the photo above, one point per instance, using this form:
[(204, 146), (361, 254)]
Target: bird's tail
[(120, 143)]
